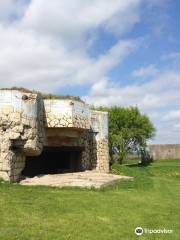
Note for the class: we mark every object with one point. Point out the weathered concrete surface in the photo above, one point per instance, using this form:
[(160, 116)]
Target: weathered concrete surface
[(87, 179), (164, 151), (67, 113)]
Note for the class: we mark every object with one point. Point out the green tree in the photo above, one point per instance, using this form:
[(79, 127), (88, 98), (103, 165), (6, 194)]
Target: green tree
[(129, 130)]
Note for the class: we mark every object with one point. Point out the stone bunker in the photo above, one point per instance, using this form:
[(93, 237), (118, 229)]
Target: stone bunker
[(51, 136)]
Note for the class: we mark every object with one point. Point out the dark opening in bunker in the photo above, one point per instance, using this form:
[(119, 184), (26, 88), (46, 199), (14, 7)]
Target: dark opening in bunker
[(54, 160)]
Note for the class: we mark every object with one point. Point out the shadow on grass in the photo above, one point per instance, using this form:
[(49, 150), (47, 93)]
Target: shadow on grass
[(138, 165)]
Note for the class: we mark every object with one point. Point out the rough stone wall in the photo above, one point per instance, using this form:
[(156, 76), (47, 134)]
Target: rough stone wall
[(21, 131), (84, 141), (165, 151), (99, 123), (102, 155)]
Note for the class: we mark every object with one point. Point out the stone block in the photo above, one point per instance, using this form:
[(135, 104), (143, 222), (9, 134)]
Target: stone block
[(15, 115), (18, 129), (25, 121), (14, 135), (8, 109), (19, 110)]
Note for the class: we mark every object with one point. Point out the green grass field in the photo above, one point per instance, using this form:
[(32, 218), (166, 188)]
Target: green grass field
[(151, 201)]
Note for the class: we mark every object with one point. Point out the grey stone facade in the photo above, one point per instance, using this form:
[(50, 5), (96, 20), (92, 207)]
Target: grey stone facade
[(28, 124), (164, 151)]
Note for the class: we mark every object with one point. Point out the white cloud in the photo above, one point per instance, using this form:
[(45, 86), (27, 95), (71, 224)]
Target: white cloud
[(166, 136), (71, 20), (11, 10), (177, 126), (130, 15), (162, 91), (147, 71), (47, 45), (152, 97), (36, 60), (172, 115), (171, 56)]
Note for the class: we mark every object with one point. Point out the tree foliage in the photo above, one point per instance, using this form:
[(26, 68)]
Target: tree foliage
[(129, 130)]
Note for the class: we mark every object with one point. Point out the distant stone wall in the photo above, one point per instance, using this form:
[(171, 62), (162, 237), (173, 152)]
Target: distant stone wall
[(165, 151)]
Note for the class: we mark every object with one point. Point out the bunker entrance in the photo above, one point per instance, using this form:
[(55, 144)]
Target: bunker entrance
[(54, 160)]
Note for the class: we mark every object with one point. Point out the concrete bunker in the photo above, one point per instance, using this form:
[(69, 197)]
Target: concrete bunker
[(40, 136)]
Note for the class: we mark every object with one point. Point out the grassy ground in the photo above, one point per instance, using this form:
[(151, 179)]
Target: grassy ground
[(151, 201)]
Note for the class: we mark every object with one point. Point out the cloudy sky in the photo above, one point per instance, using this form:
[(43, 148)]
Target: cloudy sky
[(118, 52)]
